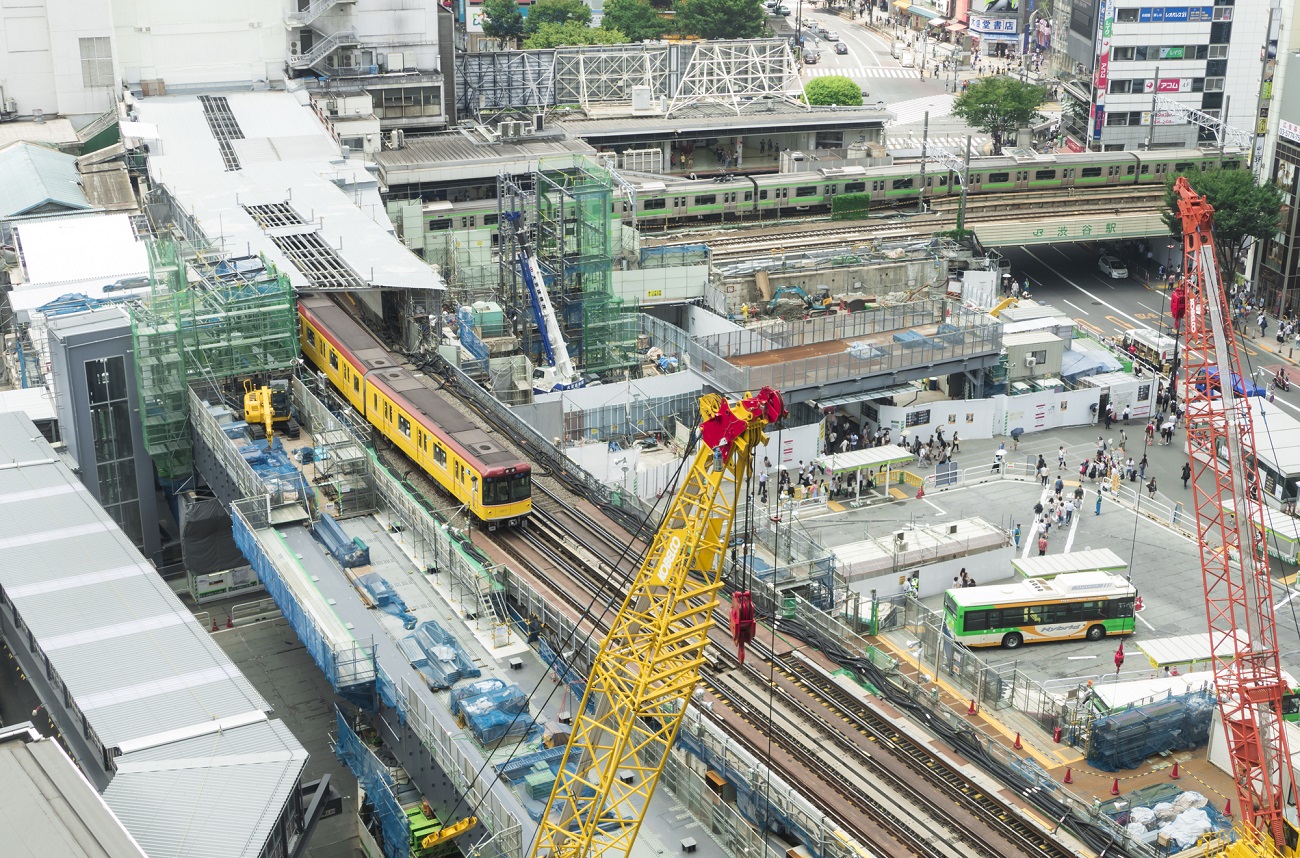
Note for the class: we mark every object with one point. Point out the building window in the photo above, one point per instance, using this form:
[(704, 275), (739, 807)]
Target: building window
[(1214, 84), (96, 62), (110, 429), (1126, 16), (1223, 13), (1218, 52), (1121, 54), (1121, 85)]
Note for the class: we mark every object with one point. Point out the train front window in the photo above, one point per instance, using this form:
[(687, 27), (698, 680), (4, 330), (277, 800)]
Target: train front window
[(496, 491), (521, 487)]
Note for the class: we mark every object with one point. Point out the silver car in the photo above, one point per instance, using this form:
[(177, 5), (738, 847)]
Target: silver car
[(1113, 267)]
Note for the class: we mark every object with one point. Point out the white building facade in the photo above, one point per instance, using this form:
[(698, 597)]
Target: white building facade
[(71, 57), (1206, 57)]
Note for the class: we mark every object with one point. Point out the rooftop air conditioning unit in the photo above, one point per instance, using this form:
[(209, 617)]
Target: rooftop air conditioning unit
[(539, 123), (642, 98), (295, 48)]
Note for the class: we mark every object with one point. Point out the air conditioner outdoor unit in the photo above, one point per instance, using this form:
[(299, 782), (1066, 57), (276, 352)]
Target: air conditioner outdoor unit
[(295, 48), (1031, 361), (539, 122)]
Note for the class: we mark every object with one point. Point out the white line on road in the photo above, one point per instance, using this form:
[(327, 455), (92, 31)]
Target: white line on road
[(927, 500), (1144, 622), (1110, 307), (1076, 306)]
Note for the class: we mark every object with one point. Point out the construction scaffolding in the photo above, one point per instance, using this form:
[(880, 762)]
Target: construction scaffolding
[(563, 218), (236, 319)]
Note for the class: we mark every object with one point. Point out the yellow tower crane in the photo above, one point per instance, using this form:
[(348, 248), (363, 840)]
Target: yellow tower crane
[(649, 663)]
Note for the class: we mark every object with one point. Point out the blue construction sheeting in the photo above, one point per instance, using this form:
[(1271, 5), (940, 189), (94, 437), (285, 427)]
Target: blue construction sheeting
[(911, 339), (1126, 739), (474, 689), (516, 768), (498, 714), (374, 776), (468, 337), (864, 351), (564, 672), (268, 460), (349, 552), (446, 661), (385, 597), (299, 620)]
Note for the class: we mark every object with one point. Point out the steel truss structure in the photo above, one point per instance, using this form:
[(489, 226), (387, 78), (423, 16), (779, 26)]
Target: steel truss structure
[(607, 73), (739, 74), (1222, 131)]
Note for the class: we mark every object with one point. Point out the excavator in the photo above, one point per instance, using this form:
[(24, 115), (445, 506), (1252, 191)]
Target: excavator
[(648, 664), (267, 405)]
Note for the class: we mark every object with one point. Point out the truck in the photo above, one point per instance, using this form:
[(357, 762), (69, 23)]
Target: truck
[(907, 58)]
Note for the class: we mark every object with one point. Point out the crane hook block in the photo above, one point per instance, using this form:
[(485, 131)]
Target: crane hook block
[(723, 423), (742, 621)]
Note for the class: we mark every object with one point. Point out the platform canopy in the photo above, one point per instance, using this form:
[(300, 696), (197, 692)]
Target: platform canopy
[(1187, 649), (870, 458), (1051, 565)]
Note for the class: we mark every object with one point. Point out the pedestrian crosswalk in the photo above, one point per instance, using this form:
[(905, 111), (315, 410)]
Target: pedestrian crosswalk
[(861, 71), (954, 144), (914, 109)]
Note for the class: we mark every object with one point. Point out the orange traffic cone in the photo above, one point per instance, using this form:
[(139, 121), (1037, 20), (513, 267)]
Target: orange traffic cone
[(1017, 745), (970, 710), (1069, 776), (230, 621), (1137, 605), (1114, 788), (214, 624), (920, 492), (1173, 776), (1227, 808)]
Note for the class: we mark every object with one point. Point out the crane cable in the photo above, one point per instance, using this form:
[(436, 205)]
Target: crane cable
[(621, 585)]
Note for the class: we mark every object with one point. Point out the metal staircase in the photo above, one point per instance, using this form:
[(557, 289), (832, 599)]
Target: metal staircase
[(304, 17), (324, 48)]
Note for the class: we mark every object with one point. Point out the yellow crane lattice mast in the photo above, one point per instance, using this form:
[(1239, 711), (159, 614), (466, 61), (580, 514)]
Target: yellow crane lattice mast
[(648, 665)]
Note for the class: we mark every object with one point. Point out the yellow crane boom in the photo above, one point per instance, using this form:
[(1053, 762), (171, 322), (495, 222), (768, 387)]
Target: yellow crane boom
[(648, 665)]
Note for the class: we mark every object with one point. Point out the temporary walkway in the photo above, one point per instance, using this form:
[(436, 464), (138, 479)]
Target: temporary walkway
[(1051, 565)]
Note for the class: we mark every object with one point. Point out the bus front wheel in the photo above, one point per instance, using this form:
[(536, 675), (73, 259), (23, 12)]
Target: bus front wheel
[(1096, 633), (1012, 640)]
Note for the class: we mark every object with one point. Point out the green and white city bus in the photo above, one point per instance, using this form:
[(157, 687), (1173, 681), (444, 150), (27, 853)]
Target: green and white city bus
[(1088, 605)]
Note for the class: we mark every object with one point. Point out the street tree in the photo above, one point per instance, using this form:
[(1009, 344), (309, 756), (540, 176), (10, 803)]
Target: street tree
[(572, 33), (999, 106), (636, 19), (556, 12), (833, 89), (1243, 211), (721, 19), (502, 21)]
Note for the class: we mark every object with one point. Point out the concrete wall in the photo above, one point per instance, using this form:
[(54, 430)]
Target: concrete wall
[(988, 418), (873, 281), (40, 56)]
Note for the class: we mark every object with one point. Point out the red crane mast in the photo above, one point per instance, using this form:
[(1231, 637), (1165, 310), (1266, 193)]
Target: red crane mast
[(1234, 559)]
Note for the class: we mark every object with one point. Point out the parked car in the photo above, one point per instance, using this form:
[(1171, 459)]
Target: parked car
[(783, 11), (1113, 267), (841, 48)]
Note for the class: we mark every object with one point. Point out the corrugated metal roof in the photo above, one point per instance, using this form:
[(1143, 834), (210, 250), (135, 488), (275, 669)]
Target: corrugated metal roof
[(240, 779), (32, 176), (151, 682), (704, 117), (455, 147)]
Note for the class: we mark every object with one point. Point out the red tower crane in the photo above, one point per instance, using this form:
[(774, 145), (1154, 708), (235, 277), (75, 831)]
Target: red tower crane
[(1234, 560)]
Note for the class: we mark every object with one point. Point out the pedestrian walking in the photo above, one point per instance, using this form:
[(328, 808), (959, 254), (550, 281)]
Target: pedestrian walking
[(1069, 510), (1187, 473), (1060, 457), (1060, 487), (1151, 487), (1142, 467), (1042, 545), (762, 486), (1097, 510), (1016, 535)]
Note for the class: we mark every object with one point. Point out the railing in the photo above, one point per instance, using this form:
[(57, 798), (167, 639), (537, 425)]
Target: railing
[(253, 612), (304, 17), (322, 49)]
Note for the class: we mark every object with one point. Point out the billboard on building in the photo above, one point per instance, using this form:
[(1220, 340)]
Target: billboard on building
[(1101, 79)]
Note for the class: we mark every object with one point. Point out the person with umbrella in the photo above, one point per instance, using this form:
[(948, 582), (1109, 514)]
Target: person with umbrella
[(998, 456), (1015, 437)]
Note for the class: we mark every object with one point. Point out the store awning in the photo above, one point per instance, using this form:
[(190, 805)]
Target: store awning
[(863, 396), (923, 12), (903, 5), (956, 26), (935, 22), (868, 459)]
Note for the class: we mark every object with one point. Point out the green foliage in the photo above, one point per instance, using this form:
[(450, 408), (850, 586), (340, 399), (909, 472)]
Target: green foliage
[(572, 33), (637, 19), (556, 12), (502, 20), (721, 19), (1000, 105), (1243, 211), (833, 89), (850, 206)]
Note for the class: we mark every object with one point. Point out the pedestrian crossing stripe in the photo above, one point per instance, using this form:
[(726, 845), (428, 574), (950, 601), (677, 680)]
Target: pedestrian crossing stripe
[(870, 71)]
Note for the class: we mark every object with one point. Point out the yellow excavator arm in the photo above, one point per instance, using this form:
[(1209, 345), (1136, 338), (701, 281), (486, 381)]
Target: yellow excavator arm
[(257, 406), (649, 663)]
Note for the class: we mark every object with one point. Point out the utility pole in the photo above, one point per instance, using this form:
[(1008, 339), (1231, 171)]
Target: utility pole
[(1155, 93), (1223, 135), (961, 206), (925, 139)]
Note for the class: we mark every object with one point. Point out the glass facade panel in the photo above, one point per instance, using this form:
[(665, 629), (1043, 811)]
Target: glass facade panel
[(110, 426)]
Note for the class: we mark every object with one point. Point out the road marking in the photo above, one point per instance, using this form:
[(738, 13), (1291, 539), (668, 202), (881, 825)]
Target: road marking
[(1144, 622), (1075, 306), (1284, 601), (1110, 307)]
